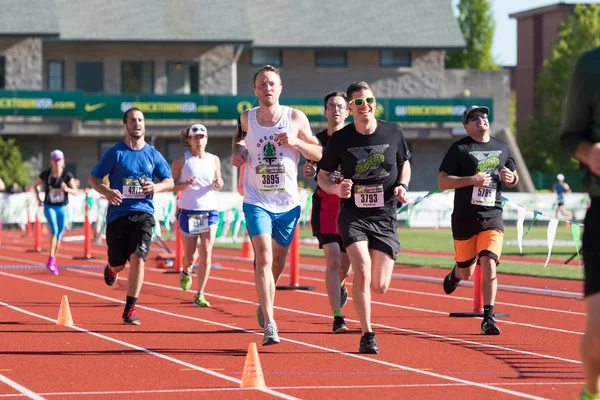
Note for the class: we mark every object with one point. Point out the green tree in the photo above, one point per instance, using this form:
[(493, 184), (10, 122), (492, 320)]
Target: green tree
[(12, 167), (539, 143), (477, 26)]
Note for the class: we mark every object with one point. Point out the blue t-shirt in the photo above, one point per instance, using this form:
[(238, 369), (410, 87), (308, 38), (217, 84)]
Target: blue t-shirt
[(126, 170)]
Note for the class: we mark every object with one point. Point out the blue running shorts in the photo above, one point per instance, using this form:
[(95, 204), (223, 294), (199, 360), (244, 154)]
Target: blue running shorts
[(279, 225)]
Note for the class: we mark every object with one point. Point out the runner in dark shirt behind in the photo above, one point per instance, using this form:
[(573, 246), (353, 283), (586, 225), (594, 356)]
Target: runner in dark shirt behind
[(580, 137), (325, 213)]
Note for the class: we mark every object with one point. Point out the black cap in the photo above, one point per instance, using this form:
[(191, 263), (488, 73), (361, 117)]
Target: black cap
[(471, 110)]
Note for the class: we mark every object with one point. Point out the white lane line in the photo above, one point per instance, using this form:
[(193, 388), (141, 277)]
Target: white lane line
[(417, 309), (349, 387), (142, 349), (19, 388), (322, 348)]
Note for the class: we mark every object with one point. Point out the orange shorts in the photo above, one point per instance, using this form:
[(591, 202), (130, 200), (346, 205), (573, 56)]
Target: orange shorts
[(486, 243)]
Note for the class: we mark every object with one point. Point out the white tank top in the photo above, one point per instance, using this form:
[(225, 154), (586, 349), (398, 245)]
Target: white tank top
[(271, 176), (199, 196)]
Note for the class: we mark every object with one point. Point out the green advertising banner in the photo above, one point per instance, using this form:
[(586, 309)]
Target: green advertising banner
[(107, 106), (52, 104)]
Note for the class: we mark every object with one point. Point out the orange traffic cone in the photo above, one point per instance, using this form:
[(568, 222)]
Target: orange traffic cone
[(253, 376), (247, 251), (64, 314)]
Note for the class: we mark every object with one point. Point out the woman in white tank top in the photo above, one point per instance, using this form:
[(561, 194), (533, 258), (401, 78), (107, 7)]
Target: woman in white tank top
[(197, 176)]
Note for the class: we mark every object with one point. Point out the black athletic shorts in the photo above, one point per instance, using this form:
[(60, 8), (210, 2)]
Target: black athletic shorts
[(326, 239), (131, 234), (591, 250), (380, 233)]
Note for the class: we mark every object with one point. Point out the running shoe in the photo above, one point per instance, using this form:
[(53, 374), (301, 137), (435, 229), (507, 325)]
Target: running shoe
[(110, 277), (260, 318), (343, 294), (200, 301), (450, 282), (368, 344), (130, 317), (51, 265), (489, 327), (185, 280), (339, 325), (271, 336), (585, 395)]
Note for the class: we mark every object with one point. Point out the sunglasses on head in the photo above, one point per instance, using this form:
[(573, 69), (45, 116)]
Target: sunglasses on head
[(475, 117), (196, 129), (359, 101)]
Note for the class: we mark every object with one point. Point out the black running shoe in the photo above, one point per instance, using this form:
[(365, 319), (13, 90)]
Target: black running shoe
[(130, 317), (343, 295), (489, 327), (450, 282), (368, 344), (339, 325), (110, 277)]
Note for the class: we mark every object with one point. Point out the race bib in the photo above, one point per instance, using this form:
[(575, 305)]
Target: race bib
[(56, 195), (271, 177), (368, 196), (484, 196), (197, 223), (132, 189)]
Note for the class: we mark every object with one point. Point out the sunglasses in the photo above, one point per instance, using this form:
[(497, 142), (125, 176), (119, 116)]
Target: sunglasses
[(475, 117), (359, 101), (338, 106)]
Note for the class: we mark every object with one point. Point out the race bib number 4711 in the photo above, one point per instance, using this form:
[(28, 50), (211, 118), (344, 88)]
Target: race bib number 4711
[(132, 189)]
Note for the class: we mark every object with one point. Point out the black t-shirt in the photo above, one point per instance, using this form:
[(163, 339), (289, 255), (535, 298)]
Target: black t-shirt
[(371, 162), (467, 157), (52, 187)]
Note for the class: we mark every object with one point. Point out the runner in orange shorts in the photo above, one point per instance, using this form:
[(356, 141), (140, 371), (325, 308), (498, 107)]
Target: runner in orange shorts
[(477, 166)]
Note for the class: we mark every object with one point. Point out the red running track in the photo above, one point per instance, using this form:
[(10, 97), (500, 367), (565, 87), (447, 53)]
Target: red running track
[(180, 350)]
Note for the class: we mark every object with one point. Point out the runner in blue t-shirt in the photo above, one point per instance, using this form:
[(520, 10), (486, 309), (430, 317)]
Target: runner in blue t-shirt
[(131, 166)]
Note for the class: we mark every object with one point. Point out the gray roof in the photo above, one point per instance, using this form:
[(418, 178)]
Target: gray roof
[(27, 18), (263, 23)]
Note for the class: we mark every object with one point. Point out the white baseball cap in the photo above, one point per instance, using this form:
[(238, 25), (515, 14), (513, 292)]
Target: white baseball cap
[(560, 177), (198, 129), (57, 155)]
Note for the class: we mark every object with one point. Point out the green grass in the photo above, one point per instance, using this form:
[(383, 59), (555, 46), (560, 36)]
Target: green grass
[(441, 240)]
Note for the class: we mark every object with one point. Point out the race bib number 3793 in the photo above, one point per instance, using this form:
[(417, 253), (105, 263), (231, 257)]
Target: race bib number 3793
[(368, 196)]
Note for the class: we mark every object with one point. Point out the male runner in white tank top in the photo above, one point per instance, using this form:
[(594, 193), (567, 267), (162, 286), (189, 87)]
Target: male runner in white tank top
[(198, 176), (276, 135)]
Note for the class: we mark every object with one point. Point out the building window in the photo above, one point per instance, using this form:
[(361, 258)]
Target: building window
[(54, 77), (331, 58), (137, 77), (90, 76), (260, 57), (394, 58), (2, 72), (182, 78)]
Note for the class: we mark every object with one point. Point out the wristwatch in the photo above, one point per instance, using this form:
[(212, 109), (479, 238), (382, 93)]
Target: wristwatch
[(404, 185)]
